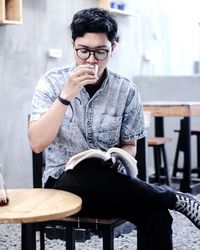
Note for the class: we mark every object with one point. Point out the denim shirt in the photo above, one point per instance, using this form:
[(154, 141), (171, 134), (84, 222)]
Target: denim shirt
[(114, 113)]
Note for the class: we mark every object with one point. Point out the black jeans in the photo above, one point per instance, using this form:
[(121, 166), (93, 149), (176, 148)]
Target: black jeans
[(106, 193)]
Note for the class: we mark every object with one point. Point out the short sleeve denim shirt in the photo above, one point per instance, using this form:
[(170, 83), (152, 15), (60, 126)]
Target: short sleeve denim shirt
[(114, 113)]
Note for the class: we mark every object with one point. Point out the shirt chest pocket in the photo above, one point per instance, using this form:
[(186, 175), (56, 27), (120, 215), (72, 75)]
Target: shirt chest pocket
[(109, 131)]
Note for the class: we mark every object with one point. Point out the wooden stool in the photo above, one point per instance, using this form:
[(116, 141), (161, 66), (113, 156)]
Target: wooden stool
[(158, 145), (181, 148)]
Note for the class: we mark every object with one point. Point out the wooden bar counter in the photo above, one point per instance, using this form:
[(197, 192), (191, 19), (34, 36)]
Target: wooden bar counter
[(161, 109)]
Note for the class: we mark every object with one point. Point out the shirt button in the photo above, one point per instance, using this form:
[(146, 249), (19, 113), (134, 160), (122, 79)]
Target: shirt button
[(88, 123)]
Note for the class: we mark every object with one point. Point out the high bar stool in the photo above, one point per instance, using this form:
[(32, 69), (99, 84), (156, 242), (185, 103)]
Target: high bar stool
[(160, 159), (181, 148), (197, 134)]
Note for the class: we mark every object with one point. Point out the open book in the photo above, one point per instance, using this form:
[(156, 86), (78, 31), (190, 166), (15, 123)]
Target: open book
[(126, 159)]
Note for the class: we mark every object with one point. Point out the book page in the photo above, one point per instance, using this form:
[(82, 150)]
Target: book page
[(74, 160), (126, 159)]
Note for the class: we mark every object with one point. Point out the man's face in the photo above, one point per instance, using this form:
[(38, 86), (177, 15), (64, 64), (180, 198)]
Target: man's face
[(97, 42)]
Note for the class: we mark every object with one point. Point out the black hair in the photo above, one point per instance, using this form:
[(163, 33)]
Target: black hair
[(94, 20)]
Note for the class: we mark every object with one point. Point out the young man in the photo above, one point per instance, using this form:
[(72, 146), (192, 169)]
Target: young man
[(85, 105)]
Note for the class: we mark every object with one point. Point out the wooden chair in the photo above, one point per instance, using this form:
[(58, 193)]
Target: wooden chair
[(160, 159), (104, 227)]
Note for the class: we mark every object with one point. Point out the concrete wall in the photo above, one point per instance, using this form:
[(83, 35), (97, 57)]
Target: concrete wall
[(23, 58)]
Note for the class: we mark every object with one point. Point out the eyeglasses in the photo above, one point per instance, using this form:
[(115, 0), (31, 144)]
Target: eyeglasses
[(99, 54)]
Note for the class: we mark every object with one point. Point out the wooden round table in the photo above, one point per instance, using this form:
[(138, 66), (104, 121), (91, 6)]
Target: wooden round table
[(28, 206)]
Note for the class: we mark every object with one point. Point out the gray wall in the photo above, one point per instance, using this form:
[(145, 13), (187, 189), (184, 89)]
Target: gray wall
[(23, 58)]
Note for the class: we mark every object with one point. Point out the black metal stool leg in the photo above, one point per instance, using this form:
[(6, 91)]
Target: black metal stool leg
[(108, 239), (157, 163), (198, 155), (70, 238), (42, 238), (165, 165), (175, 165), (160, 160), (28, 239)]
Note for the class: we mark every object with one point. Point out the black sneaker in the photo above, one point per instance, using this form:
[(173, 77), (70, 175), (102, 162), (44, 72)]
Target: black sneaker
[(189, 206)]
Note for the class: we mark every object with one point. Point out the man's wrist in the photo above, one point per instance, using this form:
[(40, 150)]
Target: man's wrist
[(64, 101)]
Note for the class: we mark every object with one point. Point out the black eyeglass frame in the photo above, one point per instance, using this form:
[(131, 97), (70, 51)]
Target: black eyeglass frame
[(92, 51)]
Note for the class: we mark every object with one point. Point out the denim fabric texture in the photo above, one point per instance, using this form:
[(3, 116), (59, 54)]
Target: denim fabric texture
[(114, 113)]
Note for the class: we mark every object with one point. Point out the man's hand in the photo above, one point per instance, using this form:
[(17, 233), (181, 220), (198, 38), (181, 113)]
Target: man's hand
[(79, 77)]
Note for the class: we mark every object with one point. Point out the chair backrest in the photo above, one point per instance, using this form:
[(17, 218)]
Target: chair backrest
[(38, 167)]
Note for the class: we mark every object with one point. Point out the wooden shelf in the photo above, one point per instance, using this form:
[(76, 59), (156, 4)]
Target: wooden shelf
[(121, 12), (10, 11), (106, 5)]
